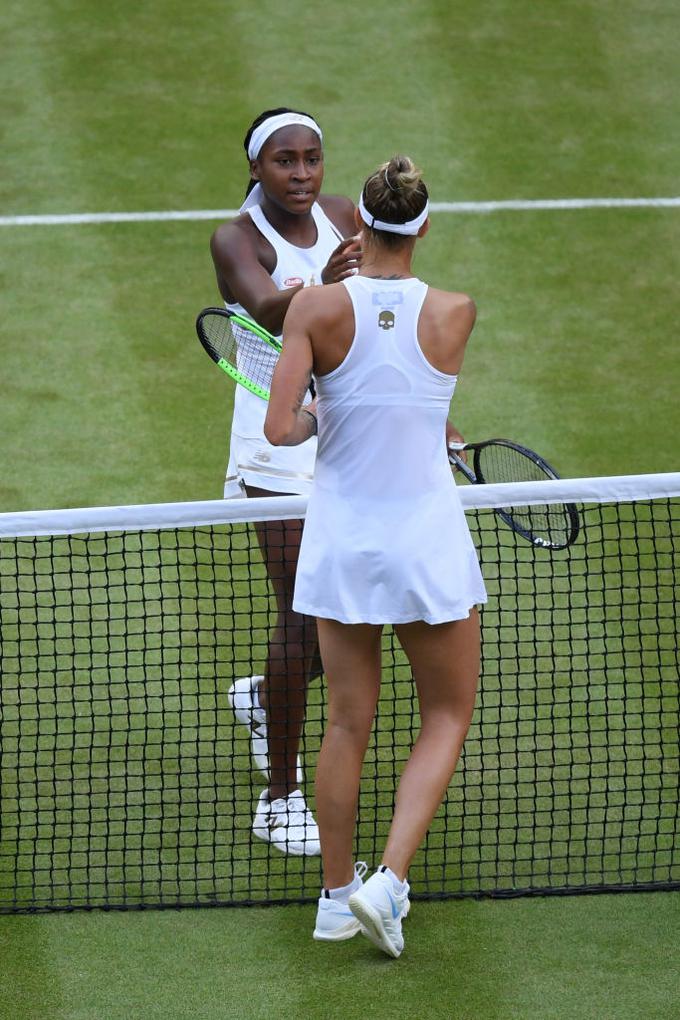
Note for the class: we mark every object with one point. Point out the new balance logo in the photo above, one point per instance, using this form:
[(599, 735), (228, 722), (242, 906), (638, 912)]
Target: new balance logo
[(276, 822)]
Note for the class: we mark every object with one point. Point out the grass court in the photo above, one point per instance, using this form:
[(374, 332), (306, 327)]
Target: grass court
[(107, 398)]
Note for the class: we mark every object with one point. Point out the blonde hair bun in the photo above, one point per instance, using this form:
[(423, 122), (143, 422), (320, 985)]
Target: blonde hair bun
[(401, 174), (395, 193)]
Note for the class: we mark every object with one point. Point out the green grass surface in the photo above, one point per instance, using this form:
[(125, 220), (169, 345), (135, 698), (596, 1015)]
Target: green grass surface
[(106, 397), (144, 108), (590, 958)]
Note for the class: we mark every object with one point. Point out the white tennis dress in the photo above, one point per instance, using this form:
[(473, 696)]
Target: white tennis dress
[(251, 458), (385, 539)]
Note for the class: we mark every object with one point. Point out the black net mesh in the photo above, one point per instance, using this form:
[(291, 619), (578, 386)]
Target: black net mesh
[(126, 783)]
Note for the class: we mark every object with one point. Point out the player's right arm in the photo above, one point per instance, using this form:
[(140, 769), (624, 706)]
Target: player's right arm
[(244, 263), (244, 277)]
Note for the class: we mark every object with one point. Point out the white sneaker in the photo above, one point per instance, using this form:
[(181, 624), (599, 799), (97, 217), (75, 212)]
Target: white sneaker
[(288, 824), (380, 910), (334, 920), (245, 700)]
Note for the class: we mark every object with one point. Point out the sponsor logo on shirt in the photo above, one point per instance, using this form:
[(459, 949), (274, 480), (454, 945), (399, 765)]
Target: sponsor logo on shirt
[(388, 298)]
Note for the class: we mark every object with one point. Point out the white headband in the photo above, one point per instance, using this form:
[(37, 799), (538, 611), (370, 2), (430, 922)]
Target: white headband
[(264, 132), (410, 228), (272, 124)]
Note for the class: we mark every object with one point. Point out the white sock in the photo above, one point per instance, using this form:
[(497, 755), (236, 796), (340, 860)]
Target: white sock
[(396, 882), (343, 892)]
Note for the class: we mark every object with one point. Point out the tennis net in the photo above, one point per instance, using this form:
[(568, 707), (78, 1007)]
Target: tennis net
[(125, 783)]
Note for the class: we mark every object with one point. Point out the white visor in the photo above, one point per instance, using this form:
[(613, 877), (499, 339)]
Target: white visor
[(410, 228)]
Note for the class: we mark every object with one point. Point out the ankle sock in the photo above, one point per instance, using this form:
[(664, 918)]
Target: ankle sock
[(396, 882), (343, 892)]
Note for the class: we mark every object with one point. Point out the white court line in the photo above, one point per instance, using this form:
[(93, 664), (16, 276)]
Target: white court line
[(521, 205)]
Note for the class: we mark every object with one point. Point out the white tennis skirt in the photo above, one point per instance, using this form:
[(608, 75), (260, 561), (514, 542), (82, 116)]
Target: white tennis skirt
[(285, 469), (363, 564)]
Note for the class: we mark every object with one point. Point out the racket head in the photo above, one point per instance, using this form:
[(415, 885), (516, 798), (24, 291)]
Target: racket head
[(240, 347), (547, 525)]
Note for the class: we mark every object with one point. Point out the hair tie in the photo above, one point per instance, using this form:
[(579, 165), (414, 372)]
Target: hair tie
[(387, 182)]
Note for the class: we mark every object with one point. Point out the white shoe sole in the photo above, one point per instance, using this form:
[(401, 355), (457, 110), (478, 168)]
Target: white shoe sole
[(373, 926), (263, 768), (245, 717), (346, 931)]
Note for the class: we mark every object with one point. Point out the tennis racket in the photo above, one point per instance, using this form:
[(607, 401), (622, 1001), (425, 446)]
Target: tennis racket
[(549, 525), (241, 348)]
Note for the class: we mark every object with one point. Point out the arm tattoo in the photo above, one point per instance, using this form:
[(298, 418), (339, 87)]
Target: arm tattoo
[(302, 393), (311, 422)]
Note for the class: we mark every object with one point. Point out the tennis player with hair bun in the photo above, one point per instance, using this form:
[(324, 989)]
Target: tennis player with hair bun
[(286, 237), (385, 539)]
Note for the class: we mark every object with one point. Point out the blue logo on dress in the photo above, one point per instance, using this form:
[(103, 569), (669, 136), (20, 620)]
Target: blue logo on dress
[(388, 298)]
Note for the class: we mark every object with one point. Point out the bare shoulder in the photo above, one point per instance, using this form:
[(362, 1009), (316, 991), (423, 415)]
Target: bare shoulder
[(449, 311), (239, 252), (340, 211), (232, 237), (453, 302), (446, 322)]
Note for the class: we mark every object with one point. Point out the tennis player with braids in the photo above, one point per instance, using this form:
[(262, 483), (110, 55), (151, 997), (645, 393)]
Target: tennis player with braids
[(385, 539), (286, 237)]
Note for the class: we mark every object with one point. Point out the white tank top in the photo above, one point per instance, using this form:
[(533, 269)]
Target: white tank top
[(382, 412), (385, 538), (293, 267)]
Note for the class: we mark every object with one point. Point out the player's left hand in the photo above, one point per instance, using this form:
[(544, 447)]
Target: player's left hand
[(344, 261), (454, 436)]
